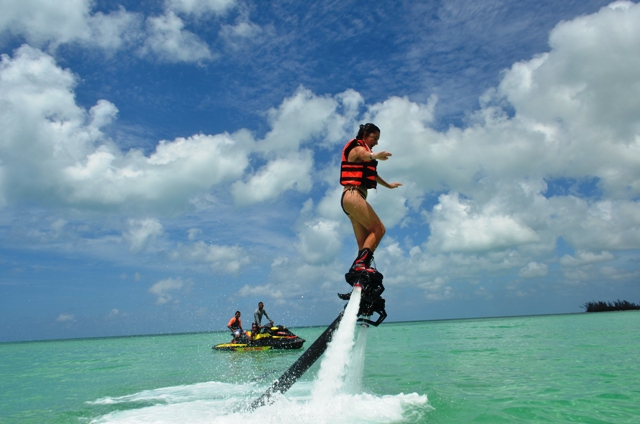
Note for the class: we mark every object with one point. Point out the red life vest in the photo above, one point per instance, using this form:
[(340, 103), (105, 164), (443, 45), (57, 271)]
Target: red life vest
[(357, 173), (235, 323)]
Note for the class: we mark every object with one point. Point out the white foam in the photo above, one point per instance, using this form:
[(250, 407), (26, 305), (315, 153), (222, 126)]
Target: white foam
[(177, 394), (344, 408)]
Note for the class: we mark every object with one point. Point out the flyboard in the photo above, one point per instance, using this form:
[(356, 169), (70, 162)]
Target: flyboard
[(371, 302)]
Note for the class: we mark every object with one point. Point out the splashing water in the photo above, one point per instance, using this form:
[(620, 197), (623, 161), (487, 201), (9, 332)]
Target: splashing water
[(336, 359), (355, 370), (338, 384)]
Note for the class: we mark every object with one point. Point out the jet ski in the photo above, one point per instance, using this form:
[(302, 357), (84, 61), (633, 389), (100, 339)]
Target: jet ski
[(268, 338)]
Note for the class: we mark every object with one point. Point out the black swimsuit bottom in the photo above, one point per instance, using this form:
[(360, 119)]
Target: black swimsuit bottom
[(345, 192)]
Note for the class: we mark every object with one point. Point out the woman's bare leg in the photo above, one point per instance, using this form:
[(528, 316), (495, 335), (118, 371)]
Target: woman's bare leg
[(367, 227)]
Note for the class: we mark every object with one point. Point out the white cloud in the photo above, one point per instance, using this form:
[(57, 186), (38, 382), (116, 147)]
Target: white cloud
[(320, 241), (241, 30), (182, 168), (65, 318), (102, 114), (266, 290), (303, 117), (43, 22), (585, 258), (329, 207), (619, 274), (457, 227), (300, 121), (595, 226), (576, 115), (292, 279), (600, 92), (321, 230), (286, 173), (390, 205), (40, 21), (533, 270), (194, 233), (41, 124), (114, 31), (46, 135), (494, 214), (163, 289), (70, 160), (483, 292), (229, 259), (200, 7), (242, 34), (141, 232), (586, 89), (170, 42), (436, 289)]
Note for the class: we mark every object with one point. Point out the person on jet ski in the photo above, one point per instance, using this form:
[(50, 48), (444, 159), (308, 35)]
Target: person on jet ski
[(235, 325), (257, 315), (255, 330)]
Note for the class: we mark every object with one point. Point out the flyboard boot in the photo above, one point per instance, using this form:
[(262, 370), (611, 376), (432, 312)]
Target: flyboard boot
[(363, 274), (362, 262)]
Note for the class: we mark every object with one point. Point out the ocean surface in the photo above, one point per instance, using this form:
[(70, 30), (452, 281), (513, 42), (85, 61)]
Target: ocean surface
[(555, 369)]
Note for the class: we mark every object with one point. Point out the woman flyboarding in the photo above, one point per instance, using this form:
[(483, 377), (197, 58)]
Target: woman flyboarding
[(358, 173)]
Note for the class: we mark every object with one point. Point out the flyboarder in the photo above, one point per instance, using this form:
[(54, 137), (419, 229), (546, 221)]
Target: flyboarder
[(358, 173)]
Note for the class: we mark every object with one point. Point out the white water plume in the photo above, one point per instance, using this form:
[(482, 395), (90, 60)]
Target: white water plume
[(331, 376), (355, 369)]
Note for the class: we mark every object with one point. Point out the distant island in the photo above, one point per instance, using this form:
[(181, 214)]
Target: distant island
[(618, 305)]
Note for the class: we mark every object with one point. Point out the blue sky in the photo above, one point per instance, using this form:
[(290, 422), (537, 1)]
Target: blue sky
[(165, 163)]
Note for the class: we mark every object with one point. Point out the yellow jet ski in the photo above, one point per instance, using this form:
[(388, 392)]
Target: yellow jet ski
[(275, 337)]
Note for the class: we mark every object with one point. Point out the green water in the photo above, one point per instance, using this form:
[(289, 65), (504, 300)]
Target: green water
[(569, 368), (562, 368)]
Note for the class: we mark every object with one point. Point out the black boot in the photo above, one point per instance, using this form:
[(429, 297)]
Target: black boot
[(363, 261)]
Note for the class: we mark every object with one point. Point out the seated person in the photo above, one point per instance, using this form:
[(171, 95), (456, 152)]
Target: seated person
[(255, 330), (235, 325)]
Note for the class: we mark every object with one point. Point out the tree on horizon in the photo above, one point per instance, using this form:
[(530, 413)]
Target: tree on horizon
[(618, 305)]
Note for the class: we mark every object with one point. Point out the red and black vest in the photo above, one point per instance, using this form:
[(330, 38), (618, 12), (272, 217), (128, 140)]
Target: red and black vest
[(361, 174)]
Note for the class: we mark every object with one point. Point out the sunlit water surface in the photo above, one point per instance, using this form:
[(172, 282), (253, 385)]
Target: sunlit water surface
[(556, 369)]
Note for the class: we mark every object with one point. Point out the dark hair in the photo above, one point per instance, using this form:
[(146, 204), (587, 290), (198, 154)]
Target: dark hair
[(367, 129), (238, 312)]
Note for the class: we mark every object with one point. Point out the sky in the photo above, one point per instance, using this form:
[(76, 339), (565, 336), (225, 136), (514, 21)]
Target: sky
[(166, 163)]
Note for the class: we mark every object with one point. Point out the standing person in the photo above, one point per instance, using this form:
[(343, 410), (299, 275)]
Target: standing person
[(235, 325), (358, 173), (257, 315)]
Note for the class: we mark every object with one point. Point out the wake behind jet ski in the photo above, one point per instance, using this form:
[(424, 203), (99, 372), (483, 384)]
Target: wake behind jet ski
[(268, 338)]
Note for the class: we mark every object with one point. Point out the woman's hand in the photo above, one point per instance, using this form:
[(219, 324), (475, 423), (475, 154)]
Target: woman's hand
[(386, 184), (383, 155)]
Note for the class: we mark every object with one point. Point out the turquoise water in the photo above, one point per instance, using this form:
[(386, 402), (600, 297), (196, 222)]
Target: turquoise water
[(563, 368)]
